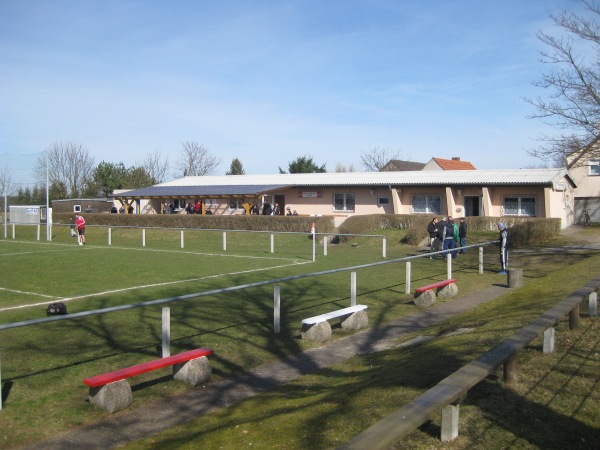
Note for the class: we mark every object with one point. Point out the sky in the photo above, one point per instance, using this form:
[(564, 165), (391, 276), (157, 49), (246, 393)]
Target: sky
[(268, 81)]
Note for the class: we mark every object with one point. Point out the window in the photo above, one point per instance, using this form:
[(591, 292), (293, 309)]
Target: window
[(594, 165), (382, 201), (235, 203), (426, 203), (520, 206), (343, 202)]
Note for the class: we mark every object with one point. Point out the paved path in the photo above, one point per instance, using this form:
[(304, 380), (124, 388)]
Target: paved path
[(144, 422)]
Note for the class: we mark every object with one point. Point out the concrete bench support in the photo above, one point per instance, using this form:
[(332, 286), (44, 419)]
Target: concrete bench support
[(449, 422), (593, 304), (511, 370), (549, 340)]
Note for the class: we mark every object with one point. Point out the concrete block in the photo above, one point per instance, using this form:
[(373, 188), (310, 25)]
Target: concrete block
[(355, 321), (193, 372), (112, 396), (515, 278), (318, 332)]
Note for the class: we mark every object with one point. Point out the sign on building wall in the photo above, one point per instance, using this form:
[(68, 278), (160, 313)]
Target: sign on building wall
[(309, 194)]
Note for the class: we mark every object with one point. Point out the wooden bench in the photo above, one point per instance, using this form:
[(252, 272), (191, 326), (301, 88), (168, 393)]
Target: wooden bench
[(426, 295), (317, 328), (112, 392)]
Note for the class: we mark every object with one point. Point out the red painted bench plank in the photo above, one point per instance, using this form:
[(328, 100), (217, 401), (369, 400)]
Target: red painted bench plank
[(439, 284), (101, 380)]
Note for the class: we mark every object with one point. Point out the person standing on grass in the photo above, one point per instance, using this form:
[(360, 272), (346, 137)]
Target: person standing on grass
[(80, 222), (432, 229), (503, 241), (462, 234)]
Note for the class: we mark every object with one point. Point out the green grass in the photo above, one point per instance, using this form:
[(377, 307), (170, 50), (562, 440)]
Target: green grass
[(43, 366)]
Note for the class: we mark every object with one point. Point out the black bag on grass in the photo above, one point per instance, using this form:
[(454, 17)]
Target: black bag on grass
[(56, 309)]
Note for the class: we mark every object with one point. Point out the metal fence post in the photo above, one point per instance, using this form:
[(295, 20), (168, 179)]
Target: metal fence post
[(276, 309), (384, 247), (449, 264), (109, 236), (224, 241), (38, 232), (408, 270), (272, 243), (325, 246), (352, 288), (143, 237), (166, 332), (182, 242), (480, 260)]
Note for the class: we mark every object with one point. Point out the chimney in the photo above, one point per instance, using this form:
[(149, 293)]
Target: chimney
[(456, 158)]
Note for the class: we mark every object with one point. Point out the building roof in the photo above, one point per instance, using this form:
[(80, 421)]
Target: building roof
[(400, 165), (254, 185), (454, 164)]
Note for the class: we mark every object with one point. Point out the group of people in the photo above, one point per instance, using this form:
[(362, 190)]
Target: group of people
[(449, 238), (270, 210), (445, 235)]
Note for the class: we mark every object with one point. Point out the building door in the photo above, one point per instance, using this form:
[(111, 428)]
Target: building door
[(280, 200), (472, 205)]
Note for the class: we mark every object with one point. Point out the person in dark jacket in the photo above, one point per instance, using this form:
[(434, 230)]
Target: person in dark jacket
[(462, 234), (448, 242), (432, 229)]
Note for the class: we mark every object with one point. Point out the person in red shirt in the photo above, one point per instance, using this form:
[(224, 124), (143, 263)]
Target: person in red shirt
[(80, 222)]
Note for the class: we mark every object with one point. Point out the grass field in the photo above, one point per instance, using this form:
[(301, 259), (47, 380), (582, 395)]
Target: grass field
[(43, 366)]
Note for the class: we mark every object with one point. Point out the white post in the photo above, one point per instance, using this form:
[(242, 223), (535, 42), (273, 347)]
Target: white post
[(449, 264), (109, 236), (224, 241), (352, 288), (324, 245), (181, 241), (408, 270), (143, 237), (384, 247), (166, 332), (548, 346), (38, 232), (314, 246), (276, 309), (272, 243), (13, 230), (449, 428), (480, 260), (593, 304)]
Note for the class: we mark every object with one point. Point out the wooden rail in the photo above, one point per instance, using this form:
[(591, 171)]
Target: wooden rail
[(447, 394)]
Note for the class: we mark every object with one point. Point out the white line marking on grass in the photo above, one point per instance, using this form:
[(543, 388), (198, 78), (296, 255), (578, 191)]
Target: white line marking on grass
[(132, 288), (27, 293)]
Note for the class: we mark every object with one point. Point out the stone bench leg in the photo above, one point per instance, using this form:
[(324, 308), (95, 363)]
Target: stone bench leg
[(112, 396), (317, 332), (193, 372), (355, 321), (448, 291), (425, 299)]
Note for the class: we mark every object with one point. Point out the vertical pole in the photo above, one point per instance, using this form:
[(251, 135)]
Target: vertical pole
[(480, 260), (384, 247), (277, 309), (109, 236), (272, 243), (38, 232), (181, 240), (574, 317), (224, 241), (449, 265), (166, 332), (593, 304), (325, 246), (314, 248), (511, 371), (352, 288), (408, 270), (143, 237), (548, 346), (13, 230)]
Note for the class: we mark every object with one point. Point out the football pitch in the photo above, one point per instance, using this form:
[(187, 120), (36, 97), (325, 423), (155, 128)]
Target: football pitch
[(43, 365)]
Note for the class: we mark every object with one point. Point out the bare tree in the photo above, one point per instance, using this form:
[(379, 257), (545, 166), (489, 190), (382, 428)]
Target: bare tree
[(6, 182), (69, 164), (573, 83), (196, 160), (341, 167), (155, 166), (375, 159)]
